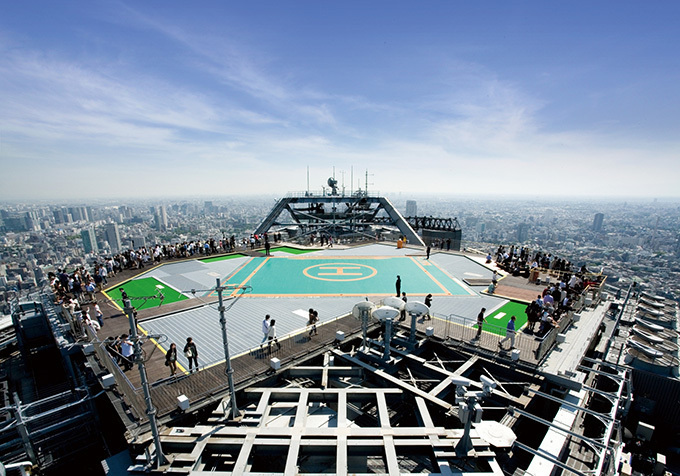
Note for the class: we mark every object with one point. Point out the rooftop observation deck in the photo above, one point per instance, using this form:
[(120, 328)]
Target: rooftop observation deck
[(458, 282)]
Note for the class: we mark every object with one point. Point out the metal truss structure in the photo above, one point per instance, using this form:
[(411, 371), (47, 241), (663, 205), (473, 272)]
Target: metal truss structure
[(327, 422), (361, 215)]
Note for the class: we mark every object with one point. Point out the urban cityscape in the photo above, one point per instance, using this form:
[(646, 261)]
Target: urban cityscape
[(627, 240)]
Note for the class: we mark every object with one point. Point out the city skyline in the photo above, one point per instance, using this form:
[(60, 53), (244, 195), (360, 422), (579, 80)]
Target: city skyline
[(112, 99)]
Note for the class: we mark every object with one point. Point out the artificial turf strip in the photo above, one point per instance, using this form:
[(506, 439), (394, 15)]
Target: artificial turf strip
[(286, 249), (147, 290), (497, 326), (221, 258)]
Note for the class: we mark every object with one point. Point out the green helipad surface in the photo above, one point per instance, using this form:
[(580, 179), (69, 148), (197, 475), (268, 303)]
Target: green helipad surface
[(498, 320), (221, 258), (345, 276), (149, 288), (287, 249)]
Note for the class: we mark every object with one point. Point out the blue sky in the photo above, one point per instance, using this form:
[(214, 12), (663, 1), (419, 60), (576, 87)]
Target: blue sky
[(168, 98)]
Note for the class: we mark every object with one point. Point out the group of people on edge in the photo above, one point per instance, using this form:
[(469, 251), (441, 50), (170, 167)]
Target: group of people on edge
[(519, 261), (548, 307), (83, 284), (190, 352), (79, 316), (121, 350)]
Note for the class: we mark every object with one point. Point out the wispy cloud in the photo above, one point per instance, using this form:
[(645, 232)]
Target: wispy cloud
[(249, 71)]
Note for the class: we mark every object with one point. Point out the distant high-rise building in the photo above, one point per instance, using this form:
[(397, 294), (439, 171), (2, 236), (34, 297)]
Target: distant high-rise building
[(15, 223), (113, 237), (138, 242), (161, 219), (89, 240), (31, 221), (523, 232), (39, 274), (58, 216), (411, 208), (208, 207), (78, 213), (68, 218), (597, 222)]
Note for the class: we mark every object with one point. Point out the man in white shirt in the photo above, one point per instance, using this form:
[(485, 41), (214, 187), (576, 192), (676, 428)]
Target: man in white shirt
[(126, 350), (265, 328)]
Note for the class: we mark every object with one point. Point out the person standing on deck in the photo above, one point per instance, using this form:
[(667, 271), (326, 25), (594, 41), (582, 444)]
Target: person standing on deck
[(272, 338), (509, 334), (480, 321), (265, 328), (127, 351), (99, 315), (398, 286), (403, 310), (428, 303), (427, 252), (171, 359), (191, 353)]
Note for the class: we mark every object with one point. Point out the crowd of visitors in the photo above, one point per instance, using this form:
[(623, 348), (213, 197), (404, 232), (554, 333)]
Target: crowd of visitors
[(563, 283), (519, 261)]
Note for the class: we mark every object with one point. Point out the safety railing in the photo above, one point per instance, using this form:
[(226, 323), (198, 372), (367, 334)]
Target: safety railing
[(132, 395), (463, 331)]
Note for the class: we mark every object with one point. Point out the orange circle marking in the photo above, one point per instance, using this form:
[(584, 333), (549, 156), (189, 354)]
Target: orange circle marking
[(340, 272)]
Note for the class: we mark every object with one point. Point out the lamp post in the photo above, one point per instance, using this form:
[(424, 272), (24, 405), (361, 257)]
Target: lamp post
[(150, 410), (229, 370)]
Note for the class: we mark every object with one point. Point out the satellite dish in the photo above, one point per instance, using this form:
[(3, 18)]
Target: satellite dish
[(333, 184), (385, 312), (394, 302), (496, 433), (361, 307), (416, 308)]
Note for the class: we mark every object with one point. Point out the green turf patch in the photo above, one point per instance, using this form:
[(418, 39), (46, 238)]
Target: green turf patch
[(498, 320), (144, 293), (221, 258), (287, 249)]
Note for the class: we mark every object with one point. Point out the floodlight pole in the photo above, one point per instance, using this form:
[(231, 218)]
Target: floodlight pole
[(229, 370), (150, 409)]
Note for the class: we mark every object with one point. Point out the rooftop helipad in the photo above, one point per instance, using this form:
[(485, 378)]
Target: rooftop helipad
[(286, 285), (341, 275)]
